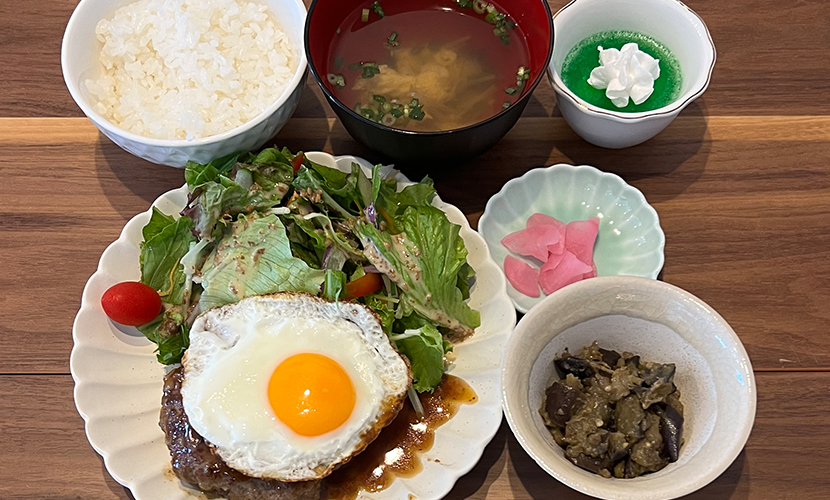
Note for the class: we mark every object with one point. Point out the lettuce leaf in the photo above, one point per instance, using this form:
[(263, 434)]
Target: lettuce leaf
[(389, 202), (425, 349), (333, 237), (424, 260), (334, 178), (334, 285), (158, 221), (170, 334), (338, 191), (377, 184), (271, 167), (270, 156), (254, 258), (221, 201), (416, 195), (166, 241), (306, 243), (259, 242), (381, 305), (268, 167), (309, 229), (196, 174), (224, 188), (466, 276)]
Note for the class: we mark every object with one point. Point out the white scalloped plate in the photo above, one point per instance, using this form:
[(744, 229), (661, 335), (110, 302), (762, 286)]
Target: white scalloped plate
[(118, 383), (630, 240)]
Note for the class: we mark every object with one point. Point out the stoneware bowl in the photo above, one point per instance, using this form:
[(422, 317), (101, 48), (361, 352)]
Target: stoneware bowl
[(445, 147), (630, 239), (670, 22), (661, 323), (79, 61)]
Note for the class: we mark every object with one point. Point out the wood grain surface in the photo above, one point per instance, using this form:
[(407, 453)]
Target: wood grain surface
[(745, 207), (740, 180), (787, 456), (769, 59)]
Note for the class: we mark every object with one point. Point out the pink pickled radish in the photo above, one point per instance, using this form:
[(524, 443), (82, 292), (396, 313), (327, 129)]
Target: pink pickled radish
[(569, 270), (523, 276), (533, 241), (580, 236)]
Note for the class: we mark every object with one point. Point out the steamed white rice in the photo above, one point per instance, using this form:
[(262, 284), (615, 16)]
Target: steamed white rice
[(185, 69)]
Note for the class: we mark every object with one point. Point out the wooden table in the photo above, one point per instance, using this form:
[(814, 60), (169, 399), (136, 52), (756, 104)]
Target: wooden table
[(741, 182)]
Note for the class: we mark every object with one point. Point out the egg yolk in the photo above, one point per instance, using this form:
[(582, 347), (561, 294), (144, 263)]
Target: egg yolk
[(311, 394)]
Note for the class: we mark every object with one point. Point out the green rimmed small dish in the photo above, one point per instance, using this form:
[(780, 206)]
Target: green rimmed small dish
[(630, 240)]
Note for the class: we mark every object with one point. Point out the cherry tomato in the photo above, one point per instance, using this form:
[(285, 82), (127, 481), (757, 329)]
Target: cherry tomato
[(131, 303), (366, 284)]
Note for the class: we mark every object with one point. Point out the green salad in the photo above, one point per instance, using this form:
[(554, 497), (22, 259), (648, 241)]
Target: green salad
[(275, 222)]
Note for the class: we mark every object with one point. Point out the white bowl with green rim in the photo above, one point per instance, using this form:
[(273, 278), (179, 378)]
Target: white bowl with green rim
[(670, 22), (630, 240)]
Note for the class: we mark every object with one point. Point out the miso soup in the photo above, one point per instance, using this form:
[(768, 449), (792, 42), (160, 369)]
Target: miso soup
[(426, 65)]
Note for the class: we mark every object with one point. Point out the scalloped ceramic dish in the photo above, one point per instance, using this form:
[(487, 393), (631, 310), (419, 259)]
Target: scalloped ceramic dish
[(630, 240), (118, 383)]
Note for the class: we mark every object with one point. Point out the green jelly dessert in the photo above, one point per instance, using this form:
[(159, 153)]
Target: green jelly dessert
[(584, 57)]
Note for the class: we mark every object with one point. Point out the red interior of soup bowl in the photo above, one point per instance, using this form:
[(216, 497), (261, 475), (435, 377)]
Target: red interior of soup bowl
[(325, 16)]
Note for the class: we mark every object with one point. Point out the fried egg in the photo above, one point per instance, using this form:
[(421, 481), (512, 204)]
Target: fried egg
[(288, 386)]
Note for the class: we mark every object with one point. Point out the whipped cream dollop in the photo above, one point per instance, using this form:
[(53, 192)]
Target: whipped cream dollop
[(625, 73)]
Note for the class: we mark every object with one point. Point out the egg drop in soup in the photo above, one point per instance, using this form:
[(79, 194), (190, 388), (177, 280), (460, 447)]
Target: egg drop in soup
[(428, 65)]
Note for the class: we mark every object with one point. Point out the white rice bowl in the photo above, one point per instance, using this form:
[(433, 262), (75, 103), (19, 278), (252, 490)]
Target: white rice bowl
[(187, 69)]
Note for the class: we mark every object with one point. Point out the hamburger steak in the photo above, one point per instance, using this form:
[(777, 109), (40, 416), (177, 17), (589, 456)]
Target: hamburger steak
[(196, 462)]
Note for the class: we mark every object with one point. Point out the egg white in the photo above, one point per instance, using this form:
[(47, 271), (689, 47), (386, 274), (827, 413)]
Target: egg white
[(235, 349)]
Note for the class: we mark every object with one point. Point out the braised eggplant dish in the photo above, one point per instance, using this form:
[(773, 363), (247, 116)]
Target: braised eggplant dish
[(614, 414)]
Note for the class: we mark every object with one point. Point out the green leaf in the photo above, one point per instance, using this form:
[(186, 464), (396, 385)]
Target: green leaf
[(364, 185), (425, 349), (215, 201), (359, 272), (410, 321), (442, 257), (169, 334), (171, 349), (196, 174), (330, 236), (334, 178), (383, 308), (385, 194), (308, 228), (307, 255), (340, 199), (225, 198), (306, 242), (386, 197), (377, 183), (447, 346), (161, 254), (417, 195), (264, 179), (426, 257), (333, 285), (254, 258), (270, 167), (268, 156), (465, 276), (158, 221), (269, 176), (166, 241)]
